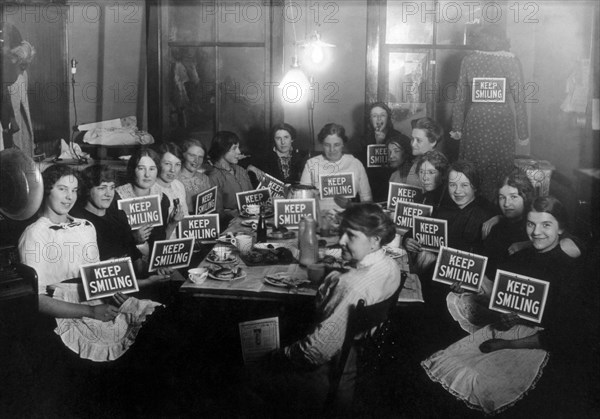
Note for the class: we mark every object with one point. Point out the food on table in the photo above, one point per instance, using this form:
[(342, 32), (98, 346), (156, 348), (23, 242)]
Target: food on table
[(281, 232), (225, 273), (269, 255), (282, 278)]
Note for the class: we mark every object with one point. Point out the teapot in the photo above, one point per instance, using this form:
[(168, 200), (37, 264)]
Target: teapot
[(301, 191)]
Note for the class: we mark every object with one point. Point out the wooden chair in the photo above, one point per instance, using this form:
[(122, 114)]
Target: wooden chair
[(362, 319)]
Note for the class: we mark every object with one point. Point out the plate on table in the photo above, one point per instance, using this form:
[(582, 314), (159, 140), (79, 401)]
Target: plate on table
[(394, 252), (284, 280), (212, 258), (250, 223), (267, 213), (241, 274)]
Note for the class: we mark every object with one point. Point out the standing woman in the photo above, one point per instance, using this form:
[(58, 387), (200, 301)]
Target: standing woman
[(192, 175), (170, 165), (142, 170), (333, 160), (56, 245), (226, 174), (283, 162), (487, 128), (426, 135)]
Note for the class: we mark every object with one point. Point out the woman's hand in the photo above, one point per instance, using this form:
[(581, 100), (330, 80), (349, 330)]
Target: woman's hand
[(518, 246), (105, 312), (457, 288), (259, 173), (119, 298), (142, 234), (455, 135), (412, 245), (488, 225), (494, 345), (379, 135), (176, 215), (342, 202)]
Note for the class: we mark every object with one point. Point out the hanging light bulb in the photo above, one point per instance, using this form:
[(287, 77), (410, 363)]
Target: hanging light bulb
[(317, 54), (295, 84)]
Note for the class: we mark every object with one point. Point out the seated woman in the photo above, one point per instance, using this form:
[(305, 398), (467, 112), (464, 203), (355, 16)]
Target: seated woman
[(170, 165), (283, 162), (475, 369), (432, 168), (56, 245), (465, 213), (114, 235), (426, 135), (192, 175), (380, 130), (400, 159), (142, 169), (296, 377), (225, 173), (333, 160)]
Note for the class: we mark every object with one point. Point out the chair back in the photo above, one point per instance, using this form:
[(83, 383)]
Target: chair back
[(361, 320)]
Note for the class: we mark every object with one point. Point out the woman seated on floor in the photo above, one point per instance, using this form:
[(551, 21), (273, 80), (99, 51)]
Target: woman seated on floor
[(56, 245), (295, 379), (478, 369)]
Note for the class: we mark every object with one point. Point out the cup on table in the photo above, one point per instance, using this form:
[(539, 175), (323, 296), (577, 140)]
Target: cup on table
[(244, 243), (223, 252), (316, 272), (197, 275), (253, 209)]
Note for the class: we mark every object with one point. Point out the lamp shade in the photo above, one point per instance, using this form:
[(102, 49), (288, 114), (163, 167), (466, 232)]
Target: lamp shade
[(295, 85)]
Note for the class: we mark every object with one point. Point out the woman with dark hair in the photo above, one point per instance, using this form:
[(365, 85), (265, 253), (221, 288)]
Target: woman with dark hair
[(142, 170), (295, 378), (333, 160), (56, 245), (426, 135), (226, 174), (170, 165), (485, 125), (493, 374), (400, 159), (192, 174), (380, 130), (283, 162)]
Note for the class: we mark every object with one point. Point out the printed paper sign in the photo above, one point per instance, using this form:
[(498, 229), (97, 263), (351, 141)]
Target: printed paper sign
[(255, 197), (106, 278), (488, 89), (201, 227), (259, 337), (457, 266), (377, 155), (401, 192), (289, 212), (405, 211), (519, 294), (206, 202), (276, 186), (176, 253), (339, 184), (142, 210), (431, 233)]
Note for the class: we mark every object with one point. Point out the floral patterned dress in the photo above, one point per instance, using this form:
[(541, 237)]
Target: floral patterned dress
[(488, 128)]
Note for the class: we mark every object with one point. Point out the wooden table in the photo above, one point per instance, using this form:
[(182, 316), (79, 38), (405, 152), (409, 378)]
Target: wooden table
[(252, 287)]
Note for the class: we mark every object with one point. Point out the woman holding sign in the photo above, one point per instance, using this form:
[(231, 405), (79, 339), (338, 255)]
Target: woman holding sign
[(226, 174), (333, 161), (142, 170), (476, 369), (56, 245)]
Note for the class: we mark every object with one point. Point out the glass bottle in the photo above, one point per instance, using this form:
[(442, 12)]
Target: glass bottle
[(307, 241), (261, 229)]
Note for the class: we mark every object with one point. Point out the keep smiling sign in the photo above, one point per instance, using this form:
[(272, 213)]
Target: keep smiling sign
[(141, 211), (256, 197), (401, 192), (519, 294), (106, 278), (377, 155), (340, 184)]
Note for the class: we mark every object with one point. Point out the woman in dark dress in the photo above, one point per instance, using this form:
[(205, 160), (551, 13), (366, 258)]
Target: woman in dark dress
[(283, 162), (497, 365)]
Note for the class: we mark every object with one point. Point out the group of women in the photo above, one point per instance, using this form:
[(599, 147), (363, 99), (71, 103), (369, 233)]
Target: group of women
[(79, 217)]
